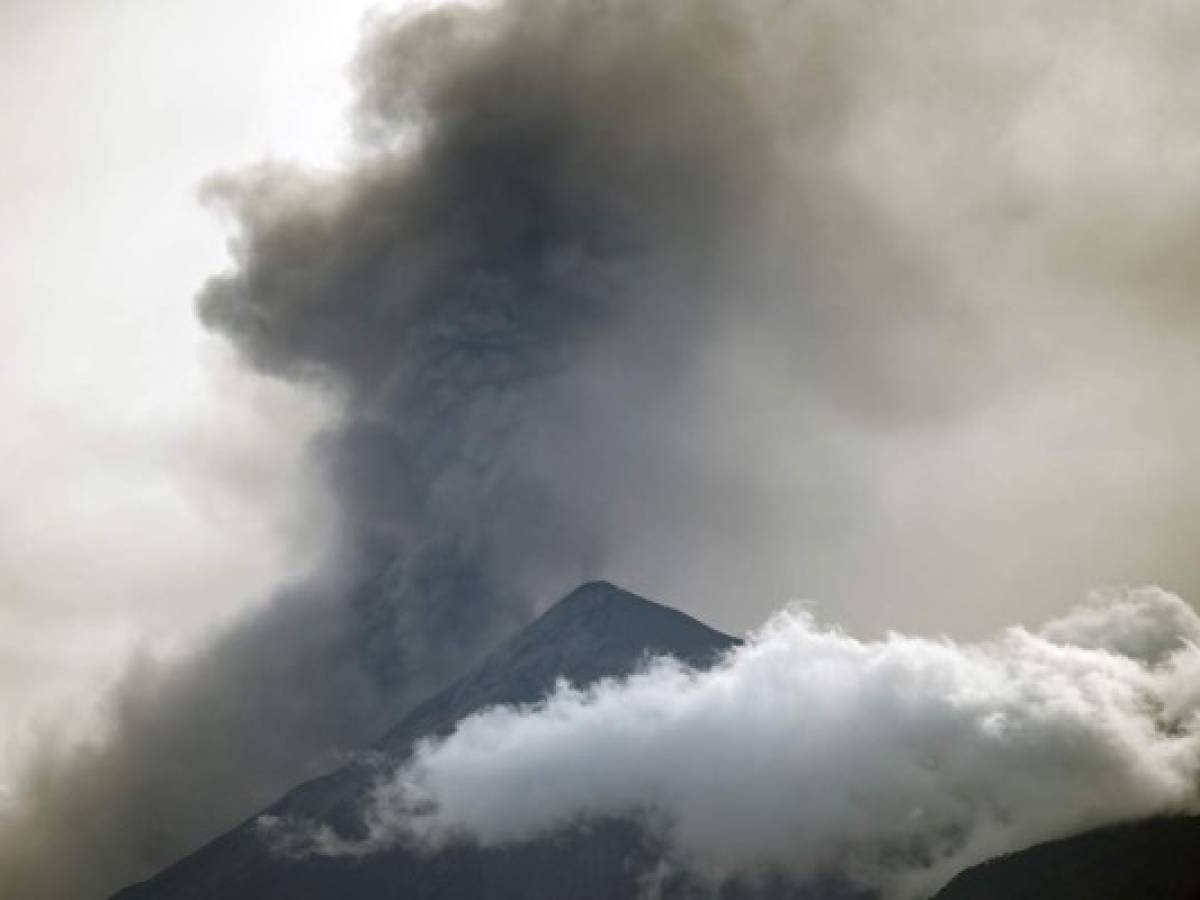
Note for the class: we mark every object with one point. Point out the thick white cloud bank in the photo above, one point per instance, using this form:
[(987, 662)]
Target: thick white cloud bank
[(899, 761)]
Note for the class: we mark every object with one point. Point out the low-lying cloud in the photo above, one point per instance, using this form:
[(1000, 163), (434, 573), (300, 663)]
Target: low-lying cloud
[(895, 762)]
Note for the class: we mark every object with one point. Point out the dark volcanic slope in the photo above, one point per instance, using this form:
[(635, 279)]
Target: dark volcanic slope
[(1157, 859), (600, 631), (597, 631)]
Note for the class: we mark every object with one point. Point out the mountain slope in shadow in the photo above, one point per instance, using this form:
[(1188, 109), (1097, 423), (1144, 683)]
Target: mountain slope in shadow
[(601, 631), (597, 631), (1157, 859)]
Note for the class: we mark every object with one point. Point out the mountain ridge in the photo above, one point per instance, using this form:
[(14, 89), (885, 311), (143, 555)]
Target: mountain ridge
[(601, 631), (596, 631), (1150, 859)]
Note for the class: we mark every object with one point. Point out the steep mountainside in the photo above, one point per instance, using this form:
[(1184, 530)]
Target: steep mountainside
[(596, 631), (1154, 860)]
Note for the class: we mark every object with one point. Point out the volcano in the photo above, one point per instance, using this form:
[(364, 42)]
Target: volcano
[(597, 631), (601, 631)]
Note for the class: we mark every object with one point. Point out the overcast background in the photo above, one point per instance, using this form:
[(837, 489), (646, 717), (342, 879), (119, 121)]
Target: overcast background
[(1042, 162), (149, 486)]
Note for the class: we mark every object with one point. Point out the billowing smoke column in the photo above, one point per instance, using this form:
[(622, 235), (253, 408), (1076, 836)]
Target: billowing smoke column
[(501, 293), (895, 763), (675, 283), (515, 217)]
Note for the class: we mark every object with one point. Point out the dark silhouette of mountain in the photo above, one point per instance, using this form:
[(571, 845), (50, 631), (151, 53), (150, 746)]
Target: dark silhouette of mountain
[(597, 631), (1157, 859)]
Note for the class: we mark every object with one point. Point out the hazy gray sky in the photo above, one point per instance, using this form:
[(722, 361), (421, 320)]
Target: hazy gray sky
[(145, 477), (1044, 163)]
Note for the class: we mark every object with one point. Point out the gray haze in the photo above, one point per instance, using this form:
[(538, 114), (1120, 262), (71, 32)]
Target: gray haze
[(888, 306), (152, 486)]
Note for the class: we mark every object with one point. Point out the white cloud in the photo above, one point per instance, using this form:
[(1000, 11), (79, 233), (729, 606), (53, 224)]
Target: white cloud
[(899, 760)]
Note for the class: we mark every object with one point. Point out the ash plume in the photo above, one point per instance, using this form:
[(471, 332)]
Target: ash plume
[(752, 291)]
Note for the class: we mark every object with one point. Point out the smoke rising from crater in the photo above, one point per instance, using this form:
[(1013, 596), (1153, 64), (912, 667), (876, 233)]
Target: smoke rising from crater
[(887, 305)]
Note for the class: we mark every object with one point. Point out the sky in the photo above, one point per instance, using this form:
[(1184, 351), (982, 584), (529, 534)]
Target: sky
[(151, 487), (154, 486), (887, 308)]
